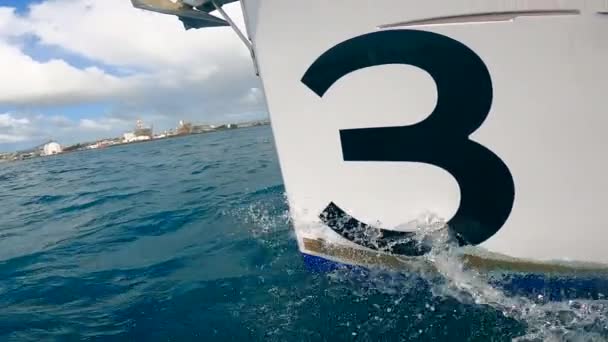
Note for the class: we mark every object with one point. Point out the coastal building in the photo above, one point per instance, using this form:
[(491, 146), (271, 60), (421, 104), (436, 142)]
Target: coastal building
[(51, 149), (132, 137), (226, 126), (184, 128), (103, 143), (140, 133), (141, 130), (203, 128), (253, 123)]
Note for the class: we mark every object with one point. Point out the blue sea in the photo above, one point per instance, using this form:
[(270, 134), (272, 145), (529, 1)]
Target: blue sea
[(189, 239)]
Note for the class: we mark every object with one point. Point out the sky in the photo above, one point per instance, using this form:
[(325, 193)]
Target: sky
[(80, 70)]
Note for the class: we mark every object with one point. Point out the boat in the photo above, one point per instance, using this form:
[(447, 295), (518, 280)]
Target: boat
[(397, 121)]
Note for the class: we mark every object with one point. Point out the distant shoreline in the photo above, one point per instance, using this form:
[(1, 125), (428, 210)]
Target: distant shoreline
[(168, 137), (223, 129)]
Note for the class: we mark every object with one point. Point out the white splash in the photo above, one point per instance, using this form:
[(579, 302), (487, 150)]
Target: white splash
[(580, 320)]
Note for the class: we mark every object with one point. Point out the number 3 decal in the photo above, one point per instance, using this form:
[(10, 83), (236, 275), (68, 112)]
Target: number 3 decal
[(464, 89)]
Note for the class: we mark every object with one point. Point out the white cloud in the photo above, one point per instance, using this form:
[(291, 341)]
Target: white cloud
[(10, 24), (103, 124), (13, 128), (94, 125), (58, 120), (253, 96), (54, 82), (196, 75), (12, 138), (7, 121), (114, 32), (38, 128)]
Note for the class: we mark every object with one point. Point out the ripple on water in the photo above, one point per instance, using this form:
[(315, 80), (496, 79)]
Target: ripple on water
[(191, 239)]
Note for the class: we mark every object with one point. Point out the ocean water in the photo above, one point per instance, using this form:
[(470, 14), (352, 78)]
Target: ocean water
[(189, 239)]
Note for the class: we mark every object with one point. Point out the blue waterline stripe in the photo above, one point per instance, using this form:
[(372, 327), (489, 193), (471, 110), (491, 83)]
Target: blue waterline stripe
[(551, 287)]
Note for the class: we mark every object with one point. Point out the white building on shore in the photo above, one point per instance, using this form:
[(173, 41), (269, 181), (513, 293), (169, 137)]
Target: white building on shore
[(140, 133), (51, 149)]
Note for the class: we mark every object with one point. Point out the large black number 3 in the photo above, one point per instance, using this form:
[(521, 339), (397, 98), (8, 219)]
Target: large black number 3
[(464, 99)]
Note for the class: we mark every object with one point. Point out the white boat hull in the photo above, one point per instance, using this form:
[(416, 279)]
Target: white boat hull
[(509, 93)]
